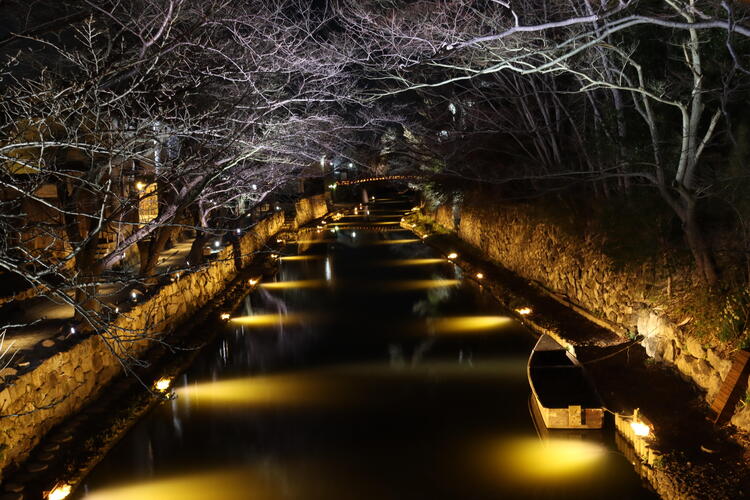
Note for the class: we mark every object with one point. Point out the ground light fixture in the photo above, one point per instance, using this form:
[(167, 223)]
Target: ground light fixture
[(452, 255), (162, 385), (59, 492), (640, 428)]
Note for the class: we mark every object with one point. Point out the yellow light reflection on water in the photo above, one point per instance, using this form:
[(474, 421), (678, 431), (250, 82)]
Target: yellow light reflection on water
[(462, 324), (365, 223), (237, 484), (555, 460), (302, 257), (411, 262), (409, 285), (295, 284), (264, 390), (394, 242), (268, 319), (312, 242)]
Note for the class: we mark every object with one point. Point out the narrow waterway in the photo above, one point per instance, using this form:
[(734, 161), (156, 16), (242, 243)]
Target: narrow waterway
[(369, 370)]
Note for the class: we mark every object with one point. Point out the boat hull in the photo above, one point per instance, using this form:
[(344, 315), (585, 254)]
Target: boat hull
[(556, 377)]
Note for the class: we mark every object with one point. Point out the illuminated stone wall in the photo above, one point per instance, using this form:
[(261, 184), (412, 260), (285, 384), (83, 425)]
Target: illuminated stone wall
[(64, 382), (308, 209), (572, 267)]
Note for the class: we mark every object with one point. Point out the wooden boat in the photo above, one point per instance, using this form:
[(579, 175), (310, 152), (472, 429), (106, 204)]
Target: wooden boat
[(560, 387)]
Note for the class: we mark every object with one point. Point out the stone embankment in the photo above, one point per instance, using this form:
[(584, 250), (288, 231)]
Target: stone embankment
[(574, 269), (70, 371)]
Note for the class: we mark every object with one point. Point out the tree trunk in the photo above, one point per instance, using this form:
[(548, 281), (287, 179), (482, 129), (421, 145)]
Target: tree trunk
[(148, 266), (704, 261)]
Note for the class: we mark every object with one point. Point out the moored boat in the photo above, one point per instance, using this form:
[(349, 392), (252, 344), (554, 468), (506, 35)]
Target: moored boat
[(560, 387)]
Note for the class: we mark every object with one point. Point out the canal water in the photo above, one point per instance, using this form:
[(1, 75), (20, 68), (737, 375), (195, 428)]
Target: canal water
[(369, 370)]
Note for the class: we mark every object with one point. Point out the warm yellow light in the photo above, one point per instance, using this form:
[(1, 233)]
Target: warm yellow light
[(452, 255), (140, 186), (459, 324), (479, 276), (411, 262), (302, 257), (253, 281), (393, 242), (551, 460), (304, 388), (640, 429), (295, 284), (162, 384), (524, 311), (409, 285), (225, 316), (274, 256), (59, 492), (267, 319)]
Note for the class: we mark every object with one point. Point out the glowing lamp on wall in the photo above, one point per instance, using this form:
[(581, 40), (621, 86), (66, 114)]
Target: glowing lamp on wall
[(59, 492), (162, 385)]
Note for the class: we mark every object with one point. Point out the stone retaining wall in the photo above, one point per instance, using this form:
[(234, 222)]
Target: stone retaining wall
[(308, 209), (574, 267), (46, 393)]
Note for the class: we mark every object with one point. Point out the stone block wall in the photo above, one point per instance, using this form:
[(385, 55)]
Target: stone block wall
[(574, 267), (308, 209), (63, 383)]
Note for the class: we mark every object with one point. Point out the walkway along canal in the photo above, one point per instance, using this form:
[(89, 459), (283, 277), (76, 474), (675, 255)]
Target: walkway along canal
[(369, 370)]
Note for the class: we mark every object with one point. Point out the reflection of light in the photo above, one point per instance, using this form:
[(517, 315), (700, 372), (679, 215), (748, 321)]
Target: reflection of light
[(419, 284), (394, 242), (524, 311), (452, 255), (354, 234), (313, 242), (162, 384), (267, 319), (302, 257), (294, 284), (411, 262), (303, 388), (640, 429), (468, 323), (225, 316), (553, 459), (329, 274), (59, 492), (197, 485)]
